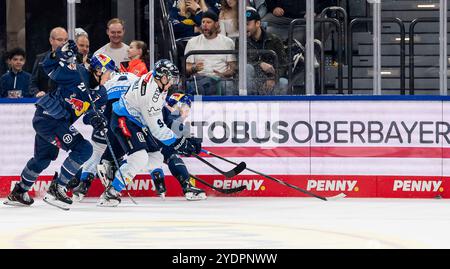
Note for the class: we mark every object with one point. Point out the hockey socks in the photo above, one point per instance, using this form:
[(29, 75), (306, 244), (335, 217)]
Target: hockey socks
[(68, 170), (31, 172), (118, 184)]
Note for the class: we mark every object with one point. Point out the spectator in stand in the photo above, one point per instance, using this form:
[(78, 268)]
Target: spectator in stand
[(261, 73), (186, 17), (82, 40), (228, 18), (213, 5), (115, 49), (40, 82), (15, 83), (282, 12), (208, 71), (259, 5), (138, 55)]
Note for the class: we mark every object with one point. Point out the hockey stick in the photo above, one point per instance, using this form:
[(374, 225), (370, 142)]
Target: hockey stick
[(341, 195), (228, 174), (108, 143), (225, 191)]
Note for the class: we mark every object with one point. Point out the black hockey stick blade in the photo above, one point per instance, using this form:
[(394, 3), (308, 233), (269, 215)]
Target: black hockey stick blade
[(237, 170), (228, 174), (224, 191), (274, 179)]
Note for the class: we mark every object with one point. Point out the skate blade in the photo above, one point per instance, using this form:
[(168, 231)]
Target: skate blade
[(110, 203), (162, 196), (337, 197), (190, 196), (15, 203), (78, 197), (49, 199)]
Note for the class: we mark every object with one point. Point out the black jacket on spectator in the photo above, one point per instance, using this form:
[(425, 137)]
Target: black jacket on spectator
[(297, 8), (39, 79), (268, 41)]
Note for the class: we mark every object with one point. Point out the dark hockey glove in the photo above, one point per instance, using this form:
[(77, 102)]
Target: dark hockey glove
[(197, 143), (67, 51), (183, 146), (98, 122)]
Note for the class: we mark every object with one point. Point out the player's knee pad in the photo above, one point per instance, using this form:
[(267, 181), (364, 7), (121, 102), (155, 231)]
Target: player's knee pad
[(158, 179), (135, 163), (81, 152), (157, 175), (91, 164), (178, 168)]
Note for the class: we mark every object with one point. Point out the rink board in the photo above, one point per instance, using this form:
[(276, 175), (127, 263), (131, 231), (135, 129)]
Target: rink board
[(364, 148)]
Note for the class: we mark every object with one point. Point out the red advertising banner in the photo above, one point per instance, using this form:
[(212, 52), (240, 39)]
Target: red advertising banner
[(258, 186)]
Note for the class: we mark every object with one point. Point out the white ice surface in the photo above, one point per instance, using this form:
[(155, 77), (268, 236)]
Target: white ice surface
[(231, 222)]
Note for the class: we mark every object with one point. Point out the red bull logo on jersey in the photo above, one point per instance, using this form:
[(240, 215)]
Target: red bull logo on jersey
[(78, 105)]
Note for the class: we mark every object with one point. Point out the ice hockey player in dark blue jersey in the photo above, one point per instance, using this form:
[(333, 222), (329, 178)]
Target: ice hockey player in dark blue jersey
[(52, 121), (115, 86), (175, 112)]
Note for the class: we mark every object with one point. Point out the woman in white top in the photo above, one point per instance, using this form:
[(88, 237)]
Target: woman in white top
[(228, 18)]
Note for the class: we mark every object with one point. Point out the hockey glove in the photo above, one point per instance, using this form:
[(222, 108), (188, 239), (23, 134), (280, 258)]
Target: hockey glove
[(183, 146), (197, 143), (98, 122), (67, 51)]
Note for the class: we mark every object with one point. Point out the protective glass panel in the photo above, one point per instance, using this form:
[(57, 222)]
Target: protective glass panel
[(448, 51), (418, 55), (330, 46), (330, 18), (360, 62)]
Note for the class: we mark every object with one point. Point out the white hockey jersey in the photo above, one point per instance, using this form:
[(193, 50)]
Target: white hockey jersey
[(119, 84), (142, 104)]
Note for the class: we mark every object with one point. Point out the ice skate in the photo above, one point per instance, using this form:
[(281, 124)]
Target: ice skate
[(80, 191), (18, 197), (73, 183), (109, 198), (192, 193), (57, 196)]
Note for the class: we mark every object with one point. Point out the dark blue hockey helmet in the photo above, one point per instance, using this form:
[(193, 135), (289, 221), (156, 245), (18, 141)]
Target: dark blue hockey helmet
[(102, 62), (166, 68)]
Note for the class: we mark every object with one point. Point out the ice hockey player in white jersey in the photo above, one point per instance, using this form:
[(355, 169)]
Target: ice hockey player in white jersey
[(140, 108)]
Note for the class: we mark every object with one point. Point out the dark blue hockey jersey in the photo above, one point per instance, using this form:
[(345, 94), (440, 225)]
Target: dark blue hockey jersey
[(70, 100)]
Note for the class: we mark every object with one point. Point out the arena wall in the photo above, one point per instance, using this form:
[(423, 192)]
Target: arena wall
[(396, 147)]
